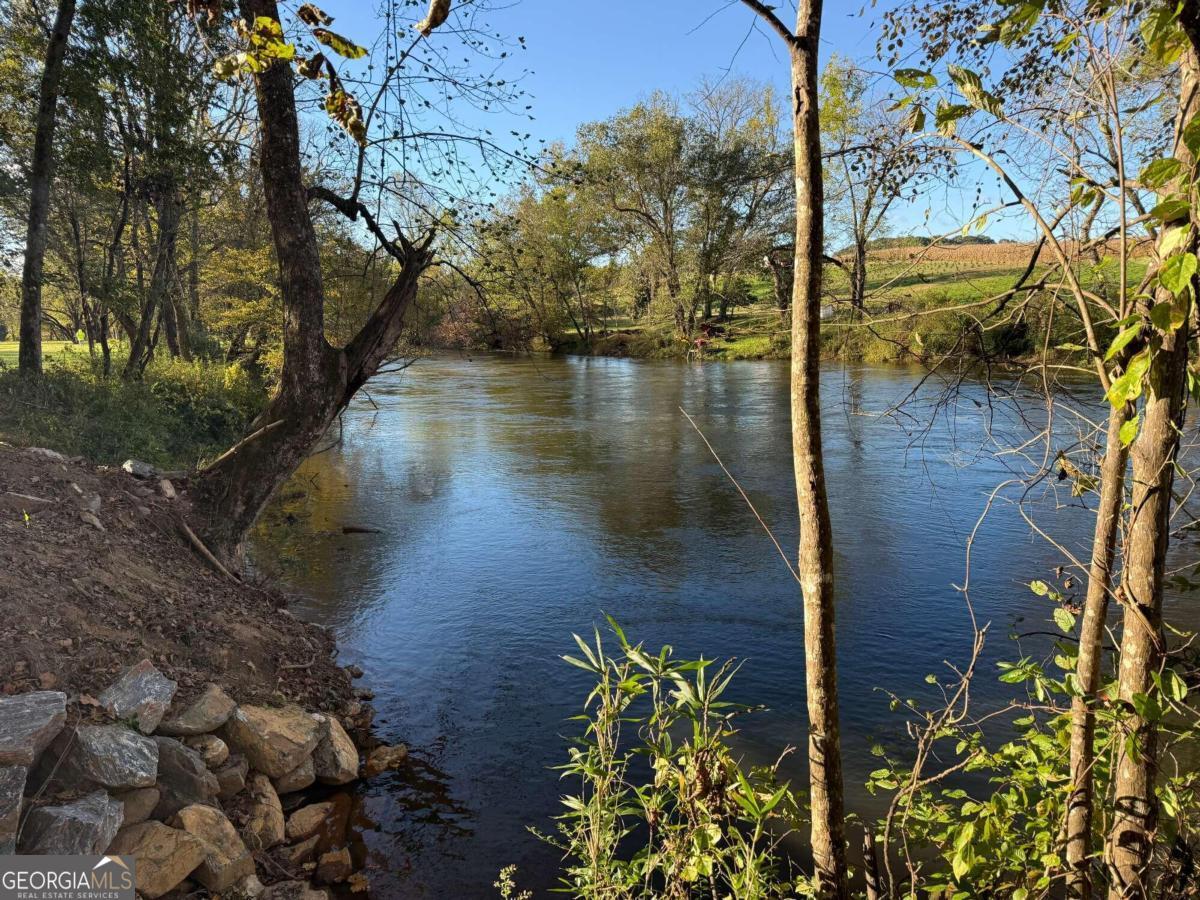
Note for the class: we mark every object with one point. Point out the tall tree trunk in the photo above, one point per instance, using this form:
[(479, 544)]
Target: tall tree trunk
[(157, 297), (780, 278), (816, 532), (828, 833), (858, 275), (1081, 804), (316, 380), (29, 358), (1135, 813)]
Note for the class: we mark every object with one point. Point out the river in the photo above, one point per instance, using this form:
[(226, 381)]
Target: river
[(518, 499)]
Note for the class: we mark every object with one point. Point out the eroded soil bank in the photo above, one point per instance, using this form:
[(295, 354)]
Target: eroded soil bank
[(153, 706)]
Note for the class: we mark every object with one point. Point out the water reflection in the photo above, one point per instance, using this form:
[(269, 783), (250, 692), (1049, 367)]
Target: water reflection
[(518, 499)]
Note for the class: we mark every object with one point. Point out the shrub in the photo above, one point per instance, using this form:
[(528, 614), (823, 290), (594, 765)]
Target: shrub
[(178, 414)]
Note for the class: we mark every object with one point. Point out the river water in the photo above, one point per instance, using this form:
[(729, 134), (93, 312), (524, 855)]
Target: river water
[(518, 499)]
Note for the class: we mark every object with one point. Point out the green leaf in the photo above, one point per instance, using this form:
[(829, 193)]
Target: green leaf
[(1147, 707), (973, 90), (1160, 172), (1172, 210), (1129, 430), (1040, 588), (1177, 272), (946, 116), (1122, 340), (1161, 32), (914, 78), (1174, 686), (1064, 620), (1128, 387), (339, 44), (1019, 22), (1191, 135)]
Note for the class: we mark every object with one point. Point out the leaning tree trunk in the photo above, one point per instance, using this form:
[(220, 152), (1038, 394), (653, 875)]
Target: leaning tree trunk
[(316, 380), (816, 533), (1135, 805), (157, 297), (1081, 803), (29, 358)]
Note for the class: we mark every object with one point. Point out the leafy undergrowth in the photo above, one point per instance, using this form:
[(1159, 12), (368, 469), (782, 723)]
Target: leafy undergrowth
[(177, 415)]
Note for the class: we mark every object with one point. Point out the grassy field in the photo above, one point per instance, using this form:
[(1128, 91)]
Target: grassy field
[(921, 302), (8, 350)]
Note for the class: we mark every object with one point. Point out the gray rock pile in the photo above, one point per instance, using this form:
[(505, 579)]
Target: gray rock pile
[(191, 790)]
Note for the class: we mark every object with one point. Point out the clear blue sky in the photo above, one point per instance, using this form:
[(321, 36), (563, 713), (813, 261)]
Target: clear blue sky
[(592, 58)]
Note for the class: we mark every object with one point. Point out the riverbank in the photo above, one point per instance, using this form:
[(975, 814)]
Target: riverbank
[(180, 712)]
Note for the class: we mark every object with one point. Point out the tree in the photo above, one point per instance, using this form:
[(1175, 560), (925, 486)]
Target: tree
[(1078, 74), (419, 171), (1154, 455), (815, 569), (874, 159), (41, 172), (739, 189), (638, 161)]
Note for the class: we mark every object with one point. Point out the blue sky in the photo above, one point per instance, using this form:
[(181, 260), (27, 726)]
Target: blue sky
[(591, 58)]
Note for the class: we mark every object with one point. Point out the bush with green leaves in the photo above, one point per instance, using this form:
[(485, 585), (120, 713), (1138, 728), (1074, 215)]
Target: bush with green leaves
[(981, 810), (977, 803), (176, 415), (663, 807)]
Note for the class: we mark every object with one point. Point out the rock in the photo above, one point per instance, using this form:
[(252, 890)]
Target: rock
[(301, 777), (167, 489), (306, 821), (226, 859), (142, 694), (334, 867), (354, 671), (249, 887), (264, 827), (231, 777), (138, 469), (298, 854), (165, 856), (208, 713), (138, 804), (183, 778), (12, 790), (336, 758), (364, 693), (112, 756), (384, 758), (275, 741), (52, 455), (84, 827), (28, 723), (293, 890), (211, 748), (89, 518)]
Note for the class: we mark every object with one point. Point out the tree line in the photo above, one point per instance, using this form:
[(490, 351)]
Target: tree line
[(166, 156)]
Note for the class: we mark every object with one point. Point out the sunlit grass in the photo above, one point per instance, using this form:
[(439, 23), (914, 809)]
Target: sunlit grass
[(8, 350)]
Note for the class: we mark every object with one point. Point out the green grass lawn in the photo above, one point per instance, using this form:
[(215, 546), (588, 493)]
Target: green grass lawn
[(920, 307), (8, 350)]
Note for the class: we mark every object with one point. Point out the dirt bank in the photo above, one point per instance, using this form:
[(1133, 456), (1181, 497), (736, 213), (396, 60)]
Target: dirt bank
[(96, 575)]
